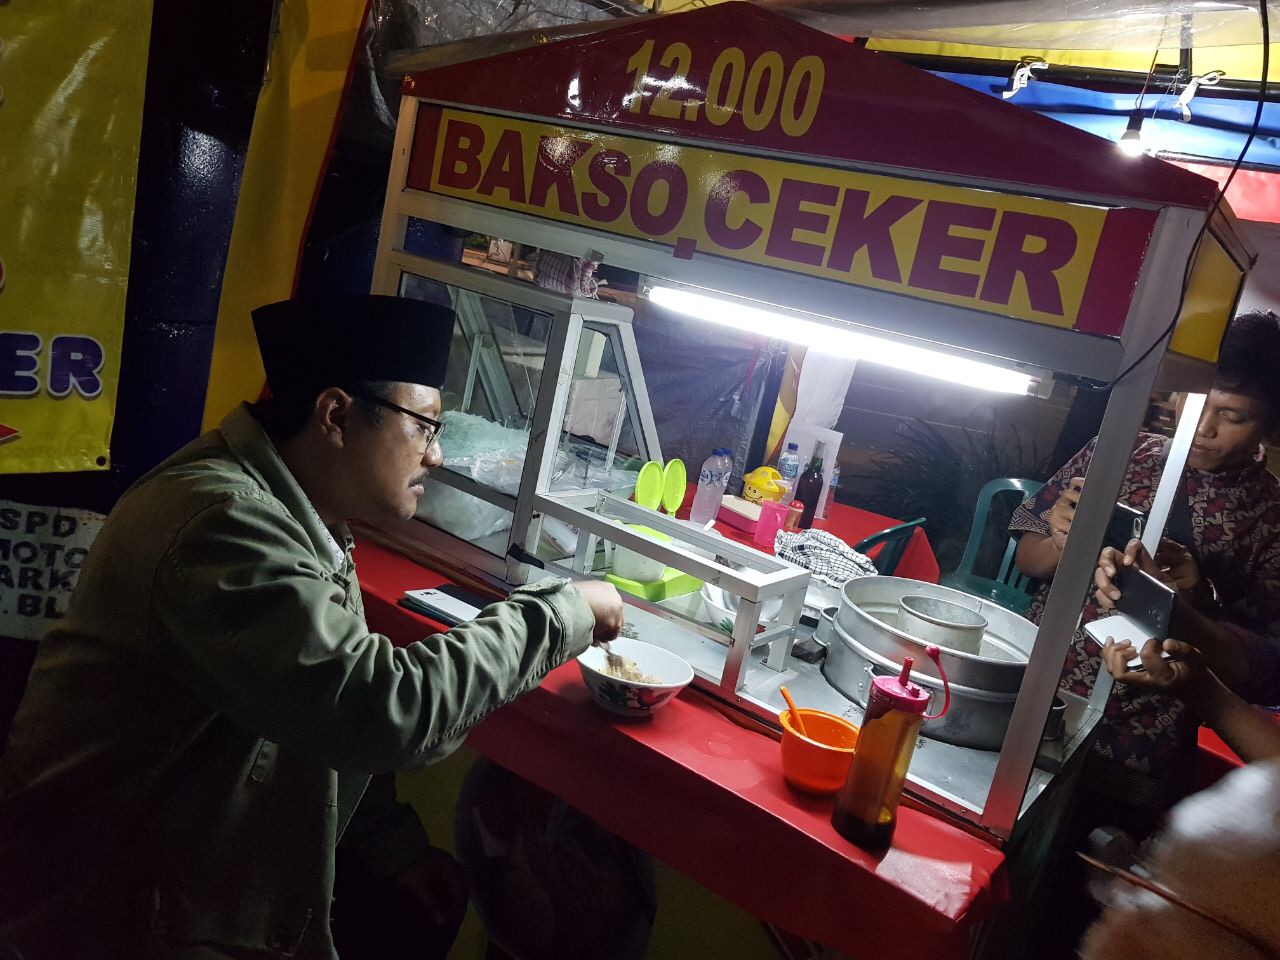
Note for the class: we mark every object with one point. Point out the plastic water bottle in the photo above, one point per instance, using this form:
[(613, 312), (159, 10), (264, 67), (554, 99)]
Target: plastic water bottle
[(712, 480), (789, 467), (832, 489), (727, 454)]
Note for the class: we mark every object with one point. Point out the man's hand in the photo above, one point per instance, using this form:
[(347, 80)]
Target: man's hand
[(606, 607), (1248, 731), (1064, 511), (1179, 677), (1109, 563), (1172, 565), (1111, 560), (1178, 568)]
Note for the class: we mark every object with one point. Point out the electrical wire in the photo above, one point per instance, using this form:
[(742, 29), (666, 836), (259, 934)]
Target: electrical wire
[(1151, 72), (1170, 89), (1137, 104), (1217, 202)]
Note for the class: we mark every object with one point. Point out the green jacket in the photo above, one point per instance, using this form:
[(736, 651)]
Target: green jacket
[(200, 727)]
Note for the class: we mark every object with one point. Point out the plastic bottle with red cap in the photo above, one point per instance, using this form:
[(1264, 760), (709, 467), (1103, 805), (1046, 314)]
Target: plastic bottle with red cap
[(866, 810)]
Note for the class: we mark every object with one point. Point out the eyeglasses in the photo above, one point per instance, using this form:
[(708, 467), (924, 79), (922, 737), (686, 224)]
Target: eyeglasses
[(1164, 893), (431, 429)]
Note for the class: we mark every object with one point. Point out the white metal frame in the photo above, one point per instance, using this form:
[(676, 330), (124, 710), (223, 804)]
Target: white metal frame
[(598, 516), (750, 575), (1154, 302), (1169, 487), (568, 317), (1140, 353)]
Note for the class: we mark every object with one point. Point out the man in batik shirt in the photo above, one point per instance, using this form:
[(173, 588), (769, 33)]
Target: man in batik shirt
[(1227, 577)]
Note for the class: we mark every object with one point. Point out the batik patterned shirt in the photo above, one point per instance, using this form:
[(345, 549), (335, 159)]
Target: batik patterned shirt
[(1235, 522)]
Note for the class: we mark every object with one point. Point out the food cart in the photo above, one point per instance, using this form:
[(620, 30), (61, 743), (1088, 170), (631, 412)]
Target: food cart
[(749, 167)]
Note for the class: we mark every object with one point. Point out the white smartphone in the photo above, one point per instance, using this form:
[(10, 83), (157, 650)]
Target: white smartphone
[(1119, 627), (447, 607), (1136, 665)]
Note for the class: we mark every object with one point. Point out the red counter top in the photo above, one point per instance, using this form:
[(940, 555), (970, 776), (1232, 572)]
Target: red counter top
[(706, 796), (852, 525)]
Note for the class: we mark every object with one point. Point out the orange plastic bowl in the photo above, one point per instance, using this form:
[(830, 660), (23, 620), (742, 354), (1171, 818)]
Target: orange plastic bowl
[(818, 763)]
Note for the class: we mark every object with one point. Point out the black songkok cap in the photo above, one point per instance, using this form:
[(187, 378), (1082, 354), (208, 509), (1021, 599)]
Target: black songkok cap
[(310, 344)]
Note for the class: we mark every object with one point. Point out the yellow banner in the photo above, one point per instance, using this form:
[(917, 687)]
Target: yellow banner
[(73, 75), (1214, 291), (1005, 254), (291, 129)]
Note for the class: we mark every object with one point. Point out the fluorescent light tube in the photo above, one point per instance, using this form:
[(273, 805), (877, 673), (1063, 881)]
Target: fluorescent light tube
[(844, 342)]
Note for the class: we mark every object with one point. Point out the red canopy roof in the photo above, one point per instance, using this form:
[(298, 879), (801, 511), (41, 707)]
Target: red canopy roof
[(874, 112)]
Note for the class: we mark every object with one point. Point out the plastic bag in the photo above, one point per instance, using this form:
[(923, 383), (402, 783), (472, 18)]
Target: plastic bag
[(493, 456), (488, 453), (1039, 24), (396, 25), (463, 515)]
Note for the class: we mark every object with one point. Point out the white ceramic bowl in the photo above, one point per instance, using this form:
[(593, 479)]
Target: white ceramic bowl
[(636, 567), (720, 608), (625, 697)]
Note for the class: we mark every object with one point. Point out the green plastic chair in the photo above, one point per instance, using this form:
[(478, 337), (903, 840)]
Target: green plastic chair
[(1010, 589), (892, 543)]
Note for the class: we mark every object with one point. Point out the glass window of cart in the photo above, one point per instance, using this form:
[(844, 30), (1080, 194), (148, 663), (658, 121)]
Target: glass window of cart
[(598, 445), (603, 440), (488, 400)]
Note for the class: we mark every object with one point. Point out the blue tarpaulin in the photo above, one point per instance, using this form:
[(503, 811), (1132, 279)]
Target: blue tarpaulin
[(1217, 130)]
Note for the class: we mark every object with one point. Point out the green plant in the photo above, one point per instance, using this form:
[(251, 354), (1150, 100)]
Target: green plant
[(929, 476)]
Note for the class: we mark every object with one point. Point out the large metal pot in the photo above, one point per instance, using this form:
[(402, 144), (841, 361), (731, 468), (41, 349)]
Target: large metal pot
[(867, 642), (950, 625)]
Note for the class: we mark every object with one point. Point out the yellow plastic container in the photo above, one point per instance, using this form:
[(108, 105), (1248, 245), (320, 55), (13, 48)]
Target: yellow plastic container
[(763, 483)]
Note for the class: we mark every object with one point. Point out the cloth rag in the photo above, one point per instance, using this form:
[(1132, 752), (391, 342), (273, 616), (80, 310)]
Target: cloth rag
[(825, 555)]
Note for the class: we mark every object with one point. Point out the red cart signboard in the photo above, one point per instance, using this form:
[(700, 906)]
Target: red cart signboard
[(732, 132)]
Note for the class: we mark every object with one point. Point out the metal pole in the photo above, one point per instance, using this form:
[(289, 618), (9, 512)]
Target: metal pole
[(1170, 486), (744, 635), (1120, 425), (544, 432), (473, 365), (617, 433), (636, 390), (1147, 335), (386, 277)]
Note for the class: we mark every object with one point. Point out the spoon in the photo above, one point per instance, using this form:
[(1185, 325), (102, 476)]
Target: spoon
[(614, 660), (795, 712)]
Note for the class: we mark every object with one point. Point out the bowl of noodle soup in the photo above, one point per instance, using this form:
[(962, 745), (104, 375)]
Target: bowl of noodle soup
[(647, 678)]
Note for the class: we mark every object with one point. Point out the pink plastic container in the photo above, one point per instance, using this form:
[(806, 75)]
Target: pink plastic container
[(772, 517), (736, 520)]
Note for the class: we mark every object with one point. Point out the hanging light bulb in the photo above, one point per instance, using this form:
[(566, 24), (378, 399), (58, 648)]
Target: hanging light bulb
[(1130, 143)]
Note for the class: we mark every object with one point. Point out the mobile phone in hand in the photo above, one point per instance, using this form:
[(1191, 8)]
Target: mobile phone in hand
[(1126, 524), (1142, 612), (1146, 600), (1137, 666)]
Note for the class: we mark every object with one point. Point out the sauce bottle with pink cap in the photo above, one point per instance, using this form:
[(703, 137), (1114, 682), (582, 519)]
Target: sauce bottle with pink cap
[(866, 810)]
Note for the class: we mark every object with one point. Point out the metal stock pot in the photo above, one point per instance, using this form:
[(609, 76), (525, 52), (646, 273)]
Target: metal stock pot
[(867, 642)]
